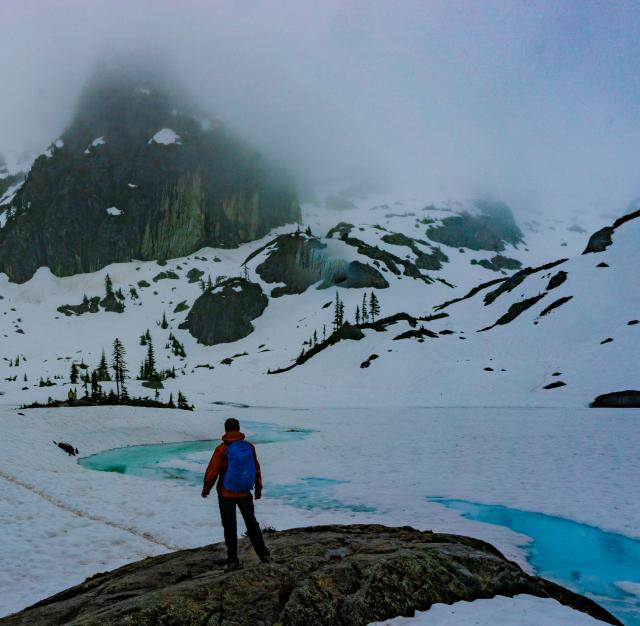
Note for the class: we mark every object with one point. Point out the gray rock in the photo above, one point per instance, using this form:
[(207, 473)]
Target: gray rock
[(324, 575), (629, 399), (225, 314), (208, 189)]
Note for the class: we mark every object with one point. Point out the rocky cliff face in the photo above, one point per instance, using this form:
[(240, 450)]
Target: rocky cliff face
[(138, 175), (324, 575)]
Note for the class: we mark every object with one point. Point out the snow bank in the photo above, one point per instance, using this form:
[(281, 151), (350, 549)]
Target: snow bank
[(522, 610), (166, 137)]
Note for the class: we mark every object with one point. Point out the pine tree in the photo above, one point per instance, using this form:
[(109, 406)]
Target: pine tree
[(171, 404), (73, 377), (338, 313), (357, 315), (308, 231), (374, 306), (119, 367), (209, 286), (245, 273), (315, 338), (163, 323), (95, 387), (102, 371), (182, 402), (364, 314), (143, 340), (148, 369), (324, 332), (17, 361), (108, 286)]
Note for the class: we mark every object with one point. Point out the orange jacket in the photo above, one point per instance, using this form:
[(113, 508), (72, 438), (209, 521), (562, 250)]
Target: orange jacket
[(218, 466)]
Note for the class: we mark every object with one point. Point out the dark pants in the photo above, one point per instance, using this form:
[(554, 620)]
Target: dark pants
[(228, 517)]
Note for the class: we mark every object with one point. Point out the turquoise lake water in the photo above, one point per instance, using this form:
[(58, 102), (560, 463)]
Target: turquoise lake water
[(187, 460), (584, 558)]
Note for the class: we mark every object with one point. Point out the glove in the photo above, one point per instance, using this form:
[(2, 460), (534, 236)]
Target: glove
[(258, 493)]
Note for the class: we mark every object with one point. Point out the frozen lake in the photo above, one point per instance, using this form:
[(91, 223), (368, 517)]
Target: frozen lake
[(580, 556), (330, 465)]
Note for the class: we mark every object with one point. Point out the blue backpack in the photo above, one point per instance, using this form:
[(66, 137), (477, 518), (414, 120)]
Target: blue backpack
[(241, 467)]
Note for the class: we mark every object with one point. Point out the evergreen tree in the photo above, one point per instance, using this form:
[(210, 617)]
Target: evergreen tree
[(357, 314), (151, 361), (108, 286), (119, 367), (102, 372), (73, 377), (374, 306), (338, 313), (163, 323), (364, 314), (17, 361), (315, 338), (25, 378), (245, 273), (209, 286), (324, 332), (85, 300), (143, 340), (95, 387), (308, 231), (171, 404), (182, 402)]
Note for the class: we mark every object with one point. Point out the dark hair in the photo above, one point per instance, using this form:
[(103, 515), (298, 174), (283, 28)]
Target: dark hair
[(231, 424)]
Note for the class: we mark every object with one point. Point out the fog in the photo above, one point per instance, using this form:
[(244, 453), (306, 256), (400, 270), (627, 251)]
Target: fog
[(530, 101)]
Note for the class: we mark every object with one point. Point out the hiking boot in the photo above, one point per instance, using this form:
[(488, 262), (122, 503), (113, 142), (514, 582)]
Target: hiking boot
[(265, 558), (232, 566)]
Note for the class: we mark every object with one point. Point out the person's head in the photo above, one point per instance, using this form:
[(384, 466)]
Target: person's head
[(231, 425)]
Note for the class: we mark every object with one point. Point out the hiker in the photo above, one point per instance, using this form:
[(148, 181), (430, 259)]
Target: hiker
[(235, 465)]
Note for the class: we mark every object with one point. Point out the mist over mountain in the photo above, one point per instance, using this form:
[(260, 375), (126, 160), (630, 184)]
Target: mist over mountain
[(140, 173), (533, 104)]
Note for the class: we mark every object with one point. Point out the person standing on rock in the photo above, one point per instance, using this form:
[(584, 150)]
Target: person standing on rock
[(235, 466)]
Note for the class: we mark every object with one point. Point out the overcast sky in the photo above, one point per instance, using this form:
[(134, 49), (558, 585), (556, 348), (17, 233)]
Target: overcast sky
[(533, 101)]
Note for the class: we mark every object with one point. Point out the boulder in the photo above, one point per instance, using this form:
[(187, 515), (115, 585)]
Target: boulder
[(225, 313), (629, 399), (333, 575)]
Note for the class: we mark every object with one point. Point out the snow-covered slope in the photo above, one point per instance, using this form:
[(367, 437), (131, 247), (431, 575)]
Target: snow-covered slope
[(508, 365)]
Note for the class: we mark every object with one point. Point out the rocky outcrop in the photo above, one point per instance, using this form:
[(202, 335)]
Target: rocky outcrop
[(498, 263), (431, 260), (490, 229), (225, 313), (139, 175), (324, 575), (299, 261), (601, 239), (629, 399)]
